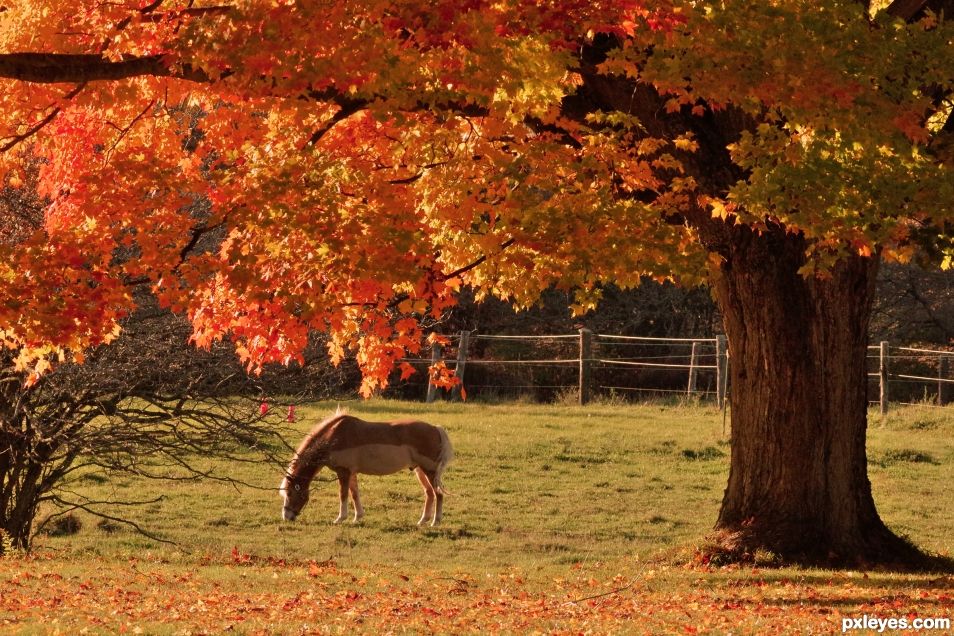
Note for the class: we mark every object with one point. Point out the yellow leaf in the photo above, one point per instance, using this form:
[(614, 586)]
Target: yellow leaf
[(718, 210), (685, 143)]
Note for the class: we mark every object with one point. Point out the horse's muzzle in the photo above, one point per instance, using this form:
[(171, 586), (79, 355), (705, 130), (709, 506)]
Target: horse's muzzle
[(288, 514)]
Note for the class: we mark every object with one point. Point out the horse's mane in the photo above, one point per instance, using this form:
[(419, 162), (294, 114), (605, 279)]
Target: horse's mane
[(310, 448)]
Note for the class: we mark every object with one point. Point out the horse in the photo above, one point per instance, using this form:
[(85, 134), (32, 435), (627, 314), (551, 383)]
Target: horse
[(349, 446)]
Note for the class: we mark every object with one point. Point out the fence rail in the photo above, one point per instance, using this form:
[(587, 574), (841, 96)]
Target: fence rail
[(656, 365), (597, 361), (916, 361), (648, 339), (589, 362)]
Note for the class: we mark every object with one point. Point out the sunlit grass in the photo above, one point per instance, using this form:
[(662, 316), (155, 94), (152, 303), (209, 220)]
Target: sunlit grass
[(535, 485)]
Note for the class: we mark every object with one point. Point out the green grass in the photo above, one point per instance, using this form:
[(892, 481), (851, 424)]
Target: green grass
[(568, 500), (532, 485)]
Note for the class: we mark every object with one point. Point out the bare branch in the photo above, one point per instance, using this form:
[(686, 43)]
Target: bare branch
[(71, 506)]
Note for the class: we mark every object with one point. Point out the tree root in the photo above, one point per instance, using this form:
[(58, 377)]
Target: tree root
[(879, 549)]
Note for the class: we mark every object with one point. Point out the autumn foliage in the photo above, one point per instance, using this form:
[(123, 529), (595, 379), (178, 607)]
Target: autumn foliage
[(353, 192), (362, 160)]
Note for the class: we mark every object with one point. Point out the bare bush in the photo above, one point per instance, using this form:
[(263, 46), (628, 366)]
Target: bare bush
[(149, 404)]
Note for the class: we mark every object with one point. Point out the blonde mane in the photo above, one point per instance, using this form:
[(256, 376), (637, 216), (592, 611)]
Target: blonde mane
[(309, 446)]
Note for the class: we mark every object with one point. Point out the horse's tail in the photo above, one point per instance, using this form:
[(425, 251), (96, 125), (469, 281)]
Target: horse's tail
[(446, 456)]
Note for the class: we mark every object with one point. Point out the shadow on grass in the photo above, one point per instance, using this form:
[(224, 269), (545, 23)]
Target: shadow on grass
[(824, 578), (853, 601), (453, 534), (905, 560)]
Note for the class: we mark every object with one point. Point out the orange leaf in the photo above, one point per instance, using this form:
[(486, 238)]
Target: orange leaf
[(407, 371)]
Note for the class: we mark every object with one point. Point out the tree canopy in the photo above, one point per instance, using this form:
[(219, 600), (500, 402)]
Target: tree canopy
[(361, 161)]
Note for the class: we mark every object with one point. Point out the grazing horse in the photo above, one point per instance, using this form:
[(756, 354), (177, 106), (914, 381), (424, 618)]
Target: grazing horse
[(350, 446)]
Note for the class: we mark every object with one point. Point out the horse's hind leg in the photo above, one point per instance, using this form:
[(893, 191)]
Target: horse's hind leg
[(355, 497), (439, 509), (432, 479), (425, 480), (344, 478)]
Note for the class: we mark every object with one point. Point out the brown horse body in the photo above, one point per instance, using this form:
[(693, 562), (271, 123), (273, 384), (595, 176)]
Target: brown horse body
[(350, 446)]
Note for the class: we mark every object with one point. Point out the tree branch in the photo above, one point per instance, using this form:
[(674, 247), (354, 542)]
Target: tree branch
[(479, 261), (71, 506), (416, 176), (192, 12), (16, 139), (56, 68), (125, 131), (348, 107), (906, 9)]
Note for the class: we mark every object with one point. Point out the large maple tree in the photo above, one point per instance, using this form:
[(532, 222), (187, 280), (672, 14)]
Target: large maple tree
[(363, 160)]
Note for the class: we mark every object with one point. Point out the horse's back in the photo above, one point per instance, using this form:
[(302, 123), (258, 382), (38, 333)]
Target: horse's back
[(380, 448)]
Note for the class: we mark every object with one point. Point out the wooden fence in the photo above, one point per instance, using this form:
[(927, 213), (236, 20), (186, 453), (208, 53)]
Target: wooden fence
[(602, 363), (909, 374), (589, 364)]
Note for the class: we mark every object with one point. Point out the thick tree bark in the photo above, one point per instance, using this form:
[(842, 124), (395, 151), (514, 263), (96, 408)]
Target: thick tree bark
[(798, 484), (19, 494)]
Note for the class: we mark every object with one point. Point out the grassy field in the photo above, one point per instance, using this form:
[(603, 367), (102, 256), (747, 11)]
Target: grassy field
[(561, 519)]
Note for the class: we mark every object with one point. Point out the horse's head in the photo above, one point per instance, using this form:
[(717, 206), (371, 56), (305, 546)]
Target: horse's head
[(294, 493), (308, 460)]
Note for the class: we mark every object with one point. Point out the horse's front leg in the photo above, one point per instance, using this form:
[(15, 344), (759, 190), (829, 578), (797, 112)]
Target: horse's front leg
[(344, 479), (355, 497), (428, 513)]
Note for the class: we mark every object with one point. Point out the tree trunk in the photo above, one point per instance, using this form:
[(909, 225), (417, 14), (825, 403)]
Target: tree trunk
[(19, 495), (798, 484)]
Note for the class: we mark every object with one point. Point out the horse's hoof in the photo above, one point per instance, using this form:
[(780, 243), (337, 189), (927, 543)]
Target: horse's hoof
[(337, 522)]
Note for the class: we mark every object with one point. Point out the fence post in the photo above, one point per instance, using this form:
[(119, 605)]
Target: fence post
[(693, 360), (461, 363), (722, 370), (586, 364), (942, 366), (437, 353), (883, 375)]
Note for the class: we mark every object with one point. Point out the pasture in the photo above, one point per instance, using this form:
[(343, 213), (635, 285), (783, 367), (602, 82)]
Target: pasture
[(559, 519)]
